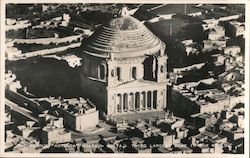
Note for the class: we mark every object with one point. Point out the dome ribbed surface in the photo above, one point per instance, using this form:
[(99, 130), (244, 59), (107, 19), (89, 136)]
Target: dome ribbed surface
[(123, 36), (124, 23)]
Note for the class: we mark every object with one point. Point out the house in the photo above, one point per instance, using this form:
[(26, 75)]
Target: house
[(231, 75), (216, 33), (75, 112), (204, 120), (232, 50), (53, 134), (236, 28)]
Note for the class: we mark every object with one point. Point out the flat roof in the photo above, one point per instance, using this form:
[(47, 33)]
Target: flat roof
[(205, 115)]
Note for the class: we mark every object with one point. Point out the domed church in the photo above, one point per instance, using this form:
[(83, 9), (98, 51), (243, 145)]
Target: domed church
[(124, 67)]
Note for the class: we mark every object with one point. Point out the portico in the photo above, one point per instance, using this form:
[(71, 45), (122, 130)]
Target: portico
[(136, 96), (136, 101)]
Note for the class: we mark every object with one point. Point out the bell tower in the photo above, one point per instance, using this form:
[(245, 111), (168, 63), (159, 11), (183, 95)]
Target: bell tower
[(162, 65), (112, 74)]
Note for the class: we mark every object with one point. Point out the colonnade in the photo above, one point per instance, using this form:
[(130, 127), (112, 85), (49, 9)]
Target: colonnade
[(136, 101)]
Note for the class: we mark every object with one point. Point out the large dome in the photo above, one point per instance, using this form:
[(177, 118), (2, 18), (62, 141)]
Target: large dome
[(124, 37)]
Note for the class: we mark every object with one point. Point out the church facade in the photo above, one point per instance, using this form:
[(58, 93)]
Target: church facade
[(124, 67)]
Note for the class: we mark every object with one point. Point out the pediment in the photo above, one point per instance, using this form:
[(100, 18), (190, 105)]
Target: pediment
[(137, 83)]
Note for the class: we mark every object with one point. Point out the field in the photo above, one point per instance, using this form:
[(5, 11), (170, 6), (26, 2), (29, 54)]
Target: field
[(35, 47), (183, 28), (148, 6), (177, 8), (45, 77), (15, 34)]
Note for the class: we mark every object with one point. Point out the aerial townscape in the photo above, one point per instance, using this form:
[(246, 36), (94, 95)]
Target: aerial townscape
[(124, 78)]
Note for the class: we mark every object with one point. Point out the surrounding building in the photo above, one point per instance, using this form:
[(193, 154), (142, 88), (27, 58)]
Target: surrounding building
[(11, 82), (216, 33), (194, 98), (190, 47), (75, 112), (236, 28), (54, 132), (14, 24)]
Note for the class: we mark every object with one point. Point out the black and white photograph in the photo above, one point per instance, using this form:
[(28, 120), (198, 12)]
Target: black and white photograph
[(156, 79)]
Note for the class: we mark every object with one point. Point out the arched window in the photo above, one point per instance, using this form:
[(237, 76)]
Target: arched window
[(102, 72), (134, 73), (118, 73)]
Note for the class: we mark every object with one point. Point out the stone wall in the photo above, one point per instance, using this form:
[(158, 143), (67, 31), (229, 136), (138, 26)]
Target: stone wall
[(95, 90), (50, 51), (87, 121), (48, 40)]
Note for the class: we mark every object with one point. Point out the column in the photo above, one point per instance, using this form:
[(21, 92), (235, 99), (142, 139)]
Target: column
[(152, 99), (133, 101), (121, 103), (117, 103), (115, 106), (105, 72), (98, 72), (141, 101), (164, 104), (155, 99), (146, 100), (129, 102), (137, 101), (125, 101)]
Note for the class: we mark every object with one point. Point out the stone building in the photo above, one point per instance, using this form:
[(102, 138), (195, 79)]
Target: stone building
[(236, 28), (54, 132), (75, 112), (193, 100), (216, 33), (124, 67)]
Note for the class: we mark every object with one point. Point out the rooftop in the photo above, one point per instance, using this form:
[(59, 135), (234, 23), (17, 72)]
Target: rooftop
[(205, 115), (236, 23), (73, 106), (202, 96)]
